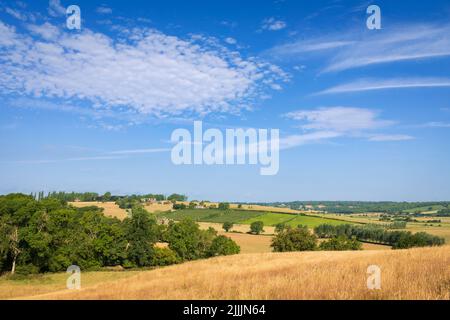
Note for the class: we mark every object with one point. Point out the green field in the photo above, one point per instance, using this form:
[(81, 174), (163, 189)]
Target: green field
[(272, 219), (247, 217), (425, 209), (212, 215)]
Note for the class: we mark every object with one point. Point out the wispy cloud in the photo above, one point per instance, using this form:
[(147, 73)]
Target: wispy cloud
[(383, 84), (55, 8), (141, 151), (15, 13), (437, 125), (339, 119), (104, 10), (355, 49), (333, 122), (391, 137), (273, 24)]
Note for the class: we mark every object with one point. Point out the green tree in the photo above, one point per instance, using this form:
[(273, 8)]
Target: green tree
[(177, 197), (141, 232), (224, 206), (227, 226), (257, 227), (341, 243), (187, 240), (223, 246), (296, 239)]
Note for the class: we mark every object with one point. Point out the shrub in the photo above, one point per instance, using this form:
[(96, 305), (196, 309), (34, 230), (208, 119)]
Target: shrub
[(341, 243), (163, 257), (227, 226), (223, 246), (297, 239), (257, 227)]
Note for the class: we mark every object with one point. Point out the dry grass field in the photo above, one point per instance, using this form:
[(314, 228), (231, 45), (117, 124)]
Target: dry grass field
[(421, 273), (45, 283), (158, 207), (110, 208), (261, 243)]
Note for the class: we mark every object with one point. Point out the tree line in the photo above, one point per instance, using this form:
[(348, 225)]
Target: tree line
[(379, 234), (49, 235)]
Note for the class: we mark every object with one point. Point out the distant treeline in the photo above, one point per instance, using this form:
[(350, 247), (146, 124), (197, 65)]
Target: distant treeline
[(93, 196), (347, 207), (378, 234), (49, 235)]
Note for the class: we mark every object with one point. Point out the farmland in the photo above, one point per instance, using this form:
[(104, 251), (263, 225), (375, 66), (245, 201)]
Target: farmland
[(296, 275), (110, 209), (240, 216)]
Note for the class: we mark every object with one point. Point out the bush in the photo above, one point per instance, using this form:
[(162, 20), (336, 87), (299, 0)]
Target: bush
[(25, 270), (163, 257), (227, 226), (224, 206), (298, 239), (179, 206), (341, 243), (257, 227), (223, 246)]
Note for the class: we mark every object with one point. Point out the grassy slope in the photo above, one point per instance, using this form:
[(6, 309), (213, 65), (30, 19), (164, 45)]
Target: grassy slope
[(271, 219), (212, 215), (301, 275)]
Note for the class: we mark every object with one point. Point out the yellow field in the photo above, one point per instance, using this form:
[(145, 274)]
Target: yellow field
[(421, 273), (158, 207), (41, 284), (261, 243), (110, 208)]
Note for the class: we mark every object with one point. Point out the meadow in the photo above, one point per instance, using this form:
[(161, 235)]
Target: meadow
[(272, 219), (420, 273)]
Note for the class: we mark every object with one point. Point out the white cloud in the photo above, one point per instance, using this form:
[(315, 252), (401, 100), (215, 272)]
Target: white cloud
[(339, 119), (46, 31), (382, 84), (55, 8), (437, 125), (399, 44), (104, 10), (141, 151), (334, 122), (302, 139), (146, 71), (230, 40), (390, 137), (16, 14), (273, 24), (356, 49)]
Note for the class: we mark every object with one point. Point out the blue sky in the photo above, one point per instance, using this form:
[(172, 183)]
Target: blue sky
[(363, 114)]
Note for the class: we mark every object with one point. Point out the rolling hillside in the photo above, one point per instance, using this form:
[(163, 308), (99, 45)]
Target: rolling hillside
[(422, 273)]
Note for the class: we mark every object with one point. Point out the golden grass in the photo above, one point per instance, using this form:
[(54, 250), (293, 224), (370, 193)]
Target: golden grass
[(158, 207), (111, 209), (46, 283), (421, 273)]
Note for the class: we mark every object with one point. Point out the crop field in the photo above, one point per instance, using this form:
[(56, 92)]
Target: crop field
[(110, 209), (272, 219), (212, 215), (294, 275)]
